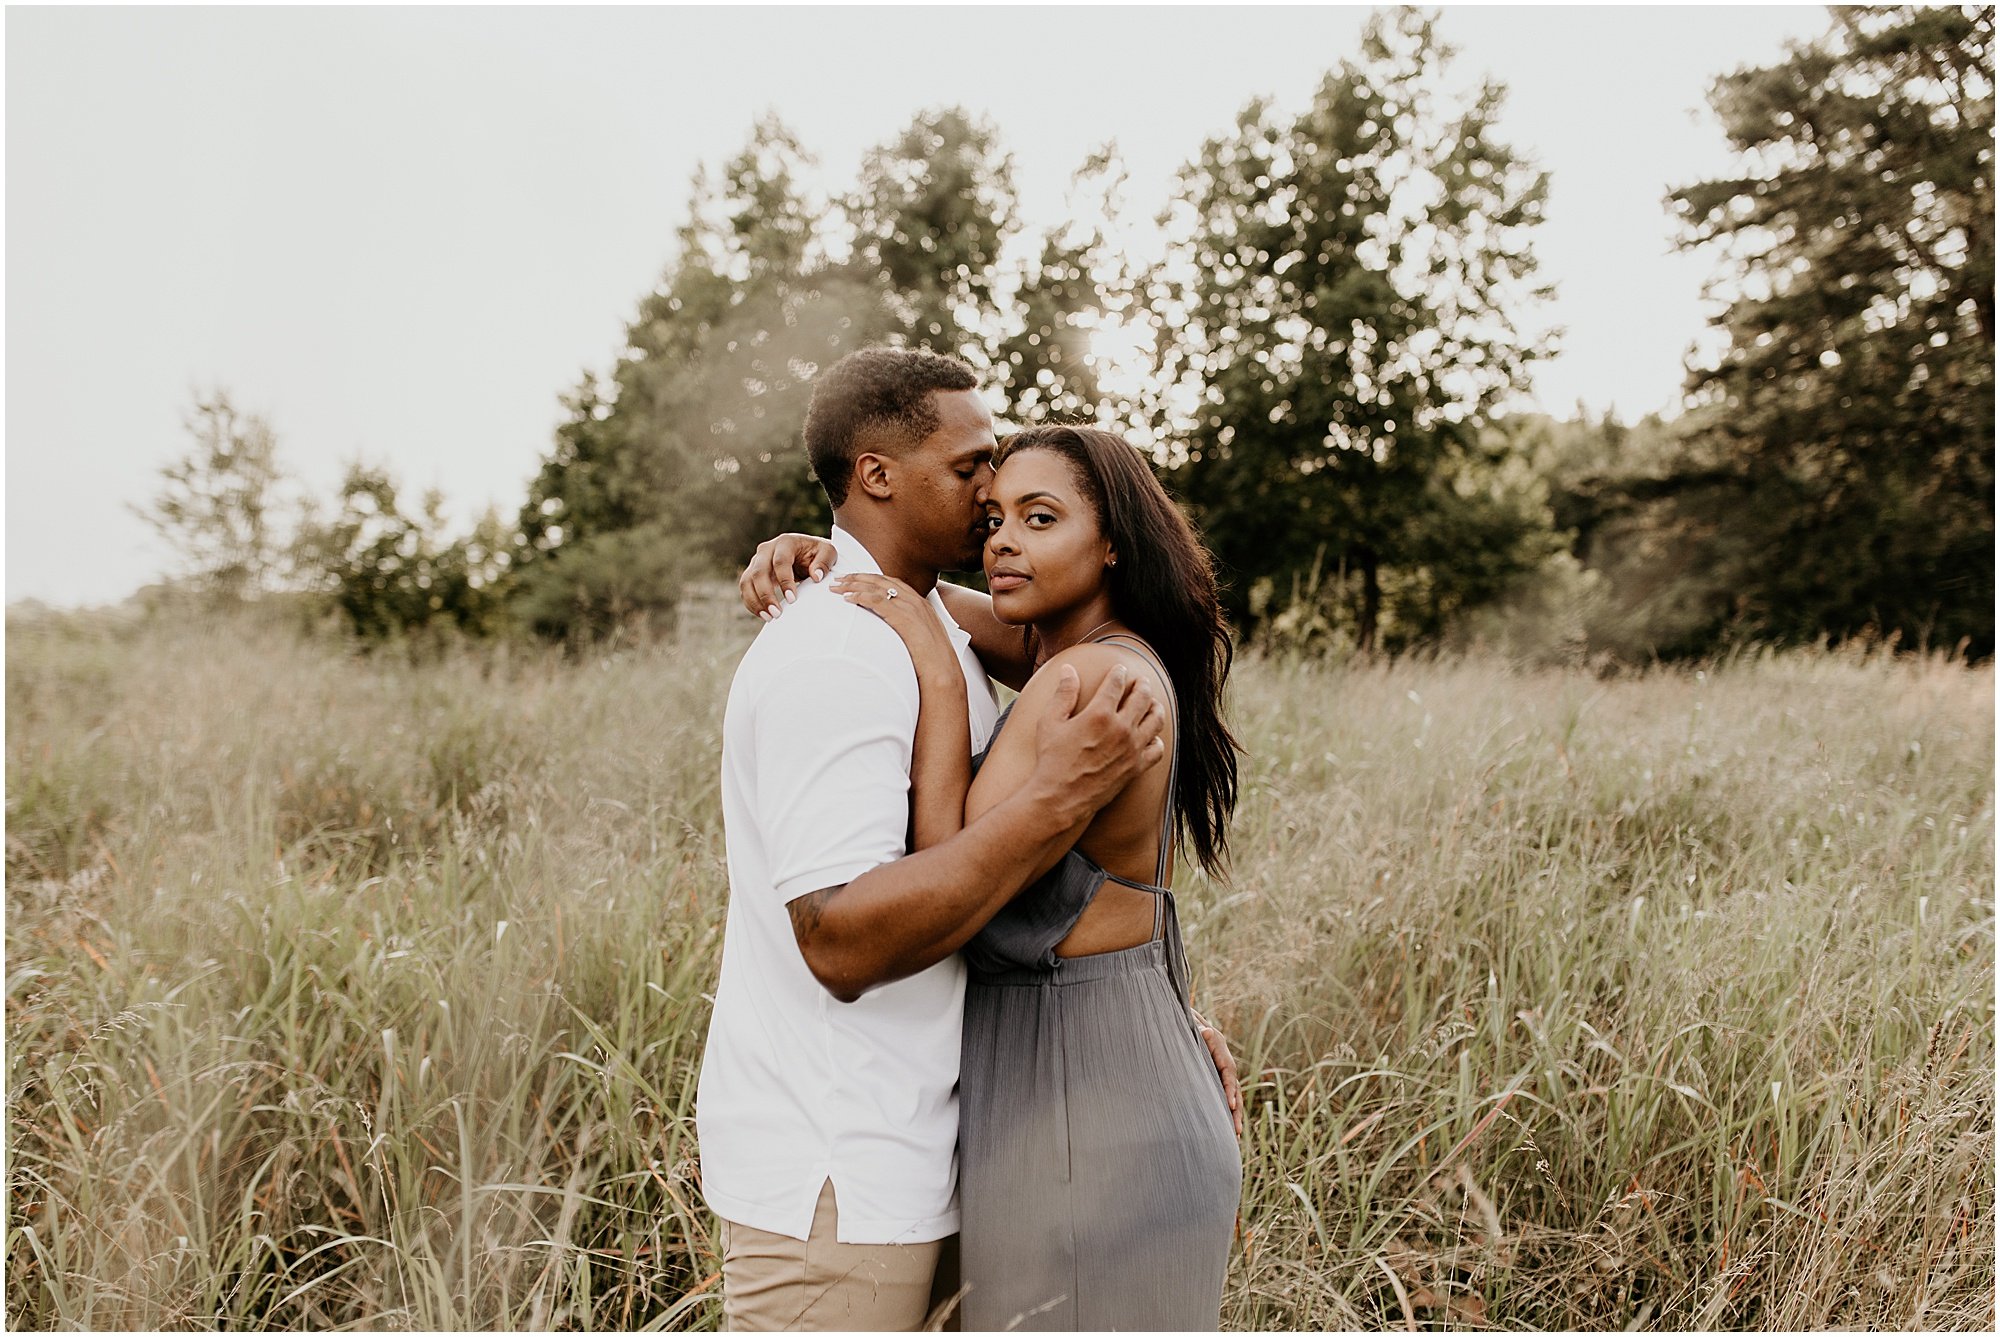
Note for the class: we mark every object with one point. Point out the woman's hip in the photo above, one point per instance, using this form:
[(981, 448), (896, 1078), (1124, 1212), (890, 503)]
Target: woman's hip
[(1105, 1048)]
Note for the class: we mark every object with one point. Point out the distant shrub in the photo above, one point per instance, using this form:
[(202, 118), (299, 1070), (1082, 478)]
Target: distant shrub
[(628, 582), (392, 572)]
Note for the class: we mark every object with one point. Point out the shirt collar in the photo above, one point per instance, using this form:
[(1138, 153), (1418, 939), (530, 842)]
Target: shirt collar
[(850, 554)]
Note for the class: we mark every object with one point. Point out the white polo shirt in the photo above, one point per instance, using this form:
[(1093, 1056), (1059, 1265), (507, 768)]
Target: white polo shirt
[(796, 1086)]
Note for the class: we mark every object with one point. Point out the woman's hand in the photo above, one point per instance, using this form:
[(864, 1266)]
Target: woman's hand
[(910, 615), (780, 564), (1225, 1068)]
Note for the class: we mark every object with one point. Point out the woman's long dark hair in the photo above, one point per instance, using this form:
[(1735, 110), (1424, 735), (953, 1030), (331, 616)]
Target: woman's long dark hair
[(1163, 588)]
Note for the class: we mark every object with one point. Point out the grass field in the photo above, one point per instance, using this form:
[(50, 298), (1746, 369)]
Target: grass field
[(368, 992)]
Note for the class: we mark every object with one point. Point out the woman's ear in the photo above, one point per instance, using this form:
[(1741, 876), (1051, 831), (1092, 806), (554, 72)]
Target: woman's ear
[(871, 475), (1111, 557)]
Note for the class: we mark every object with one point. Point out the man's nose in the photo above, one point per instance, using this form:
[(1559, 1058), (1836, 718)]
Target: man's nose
[(983, 484)]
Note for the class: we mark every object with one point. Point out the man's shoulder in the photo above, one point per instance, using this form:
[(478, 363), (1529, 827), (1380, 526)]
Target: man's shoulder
[(823, 628)]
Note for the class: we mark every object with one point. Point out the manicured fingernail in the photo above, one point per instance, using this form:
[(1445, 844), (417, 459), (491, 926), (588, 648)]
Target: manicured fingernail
[(763, 617), (775, 610), (791, 596), (819, 574)]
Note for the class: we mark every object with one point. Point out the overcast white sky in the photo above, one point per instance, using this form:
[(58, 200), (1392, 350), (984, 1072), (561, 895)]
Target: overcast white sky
[(400, 234)]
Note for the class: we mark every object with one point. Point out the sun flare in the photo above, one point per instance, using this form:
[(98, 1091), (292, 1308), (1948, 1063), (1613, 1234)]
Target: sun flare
[(1121, 354)]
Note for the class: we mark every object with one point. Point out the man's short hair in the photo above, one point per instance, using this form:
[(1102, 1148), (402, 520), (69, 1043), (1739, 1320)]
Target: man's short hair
[(875, 399)]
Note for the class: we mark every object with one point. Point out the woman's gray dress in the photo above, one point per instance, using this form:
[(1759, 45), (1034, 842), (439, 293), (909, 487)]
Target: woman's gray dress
[(1099, 1171)]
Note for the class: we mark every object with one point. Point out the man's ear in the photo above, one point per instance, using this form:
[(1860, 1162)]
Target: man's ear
[(871, 475)]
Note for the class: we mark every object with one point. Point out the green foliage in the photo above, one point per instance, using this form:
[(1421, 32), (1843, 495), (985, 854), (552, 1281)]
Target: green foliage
[(216, 505), (1629, 587), (1331, 266), (930, 213), (1348, 309), (695, 428), (695, 434), (1046, 370), (1841, 482), (609, 584), (1323, 362), (392, 573)]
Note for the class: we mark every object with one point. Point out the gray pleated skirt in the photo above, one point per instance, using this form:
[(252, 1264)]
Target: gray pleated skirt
[(1099, 1172)]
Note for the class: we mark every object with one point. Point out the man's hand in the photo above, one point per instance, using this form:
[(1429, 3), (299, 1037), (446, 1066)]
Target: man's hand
[(1225, 1068), (769, 582), (1086, 757)]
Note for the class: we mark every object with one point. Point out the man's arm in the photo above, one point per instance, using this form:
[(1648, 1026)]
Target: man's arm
[(905, 915)]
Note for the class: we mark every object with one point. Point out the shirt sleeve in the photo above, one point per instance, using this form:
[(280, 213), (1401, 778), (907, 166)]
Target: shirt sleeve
[(833, 750)]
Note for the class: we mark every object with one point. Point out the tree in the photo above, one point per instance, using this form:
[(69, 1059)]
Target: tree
[(217, 504), (691, 446), (930, 215), (392, 572), (1842, 483), (1349, 303), (1083, 285), (605, 585), (1628, 585), (691, 442)]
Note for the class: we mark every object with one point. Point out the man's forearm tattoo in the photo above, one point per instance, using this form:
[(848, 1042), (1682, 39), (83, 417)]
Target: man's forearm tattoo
[(806, 911)]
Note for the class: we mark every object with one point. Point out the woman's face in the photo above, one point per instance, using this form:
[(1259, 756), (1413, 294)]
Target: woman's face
[(1045, 551)]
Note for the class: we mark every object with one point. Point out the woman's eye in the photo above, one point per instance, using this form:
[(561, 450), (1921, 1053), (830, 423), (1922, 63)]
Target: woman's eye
[(1042, 516), (990, 523)]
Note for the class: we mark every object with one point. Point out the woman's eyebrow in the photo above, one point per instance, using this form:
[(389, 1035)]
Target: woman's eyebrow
[(1027, 497)]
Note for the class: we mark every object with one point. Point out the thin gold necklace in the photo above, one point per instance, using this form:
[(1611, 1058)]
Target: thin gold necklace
[(1081, 639)]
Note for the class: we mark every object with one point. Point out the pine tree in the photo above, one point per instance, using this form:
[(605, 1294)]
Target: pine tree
[(1842, 482)]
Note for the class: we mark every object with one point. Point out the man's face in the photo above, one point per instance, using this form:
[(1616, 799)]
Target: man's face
[(941, 483)]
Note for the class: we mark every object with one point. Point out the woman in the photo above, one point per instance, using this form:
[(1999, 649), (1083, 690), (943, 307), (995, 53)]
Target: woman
[(1099, 1171)]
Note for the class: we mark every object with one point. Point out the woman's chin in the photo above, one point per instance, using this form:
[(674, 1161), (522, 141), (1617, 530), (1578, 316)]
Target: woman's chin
[(1010, 608)]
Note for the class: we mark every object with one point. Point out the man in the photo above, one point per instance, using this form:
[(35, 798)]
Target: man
[(827, 1113)]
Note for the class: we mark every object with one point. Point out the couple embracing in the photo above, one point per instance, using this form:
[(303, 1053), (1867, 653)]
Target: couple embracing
[(952, 976)]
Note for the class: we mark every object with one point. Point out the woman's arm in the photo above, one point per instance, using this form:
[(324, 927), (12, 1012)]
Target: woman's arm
[(1012, 757), (941, 759)]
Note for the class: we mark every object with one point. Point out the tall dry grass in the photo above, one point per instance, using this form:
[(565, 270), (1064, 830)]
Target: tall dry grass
[(369, 991)]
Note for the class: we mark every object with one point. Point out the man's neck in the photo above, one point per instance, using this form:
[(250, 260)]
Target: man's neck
[(877, 534)]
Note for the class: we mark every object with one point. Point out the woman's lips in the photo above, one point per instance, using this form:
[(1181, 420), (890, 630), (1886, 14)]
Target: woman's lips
[(1005, 580)]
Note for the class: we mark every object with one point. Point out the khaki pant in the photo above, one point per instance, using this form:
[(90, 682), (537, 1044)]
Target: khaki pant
[(774, 1283)]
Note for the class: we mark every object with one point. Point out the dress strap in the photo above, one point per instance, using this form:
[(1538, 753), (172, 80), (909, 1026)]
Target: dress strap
[(1173, 762), (1166, 916)]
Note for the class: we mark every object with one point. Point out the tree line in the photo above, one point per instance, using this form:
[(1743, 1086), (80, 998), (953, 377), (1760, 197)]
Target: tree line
[(1344, 307)]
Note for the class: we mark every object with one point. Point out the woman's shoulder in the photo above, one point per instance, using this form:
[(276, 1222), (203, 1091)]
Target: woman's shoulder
[(1093, 661)]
